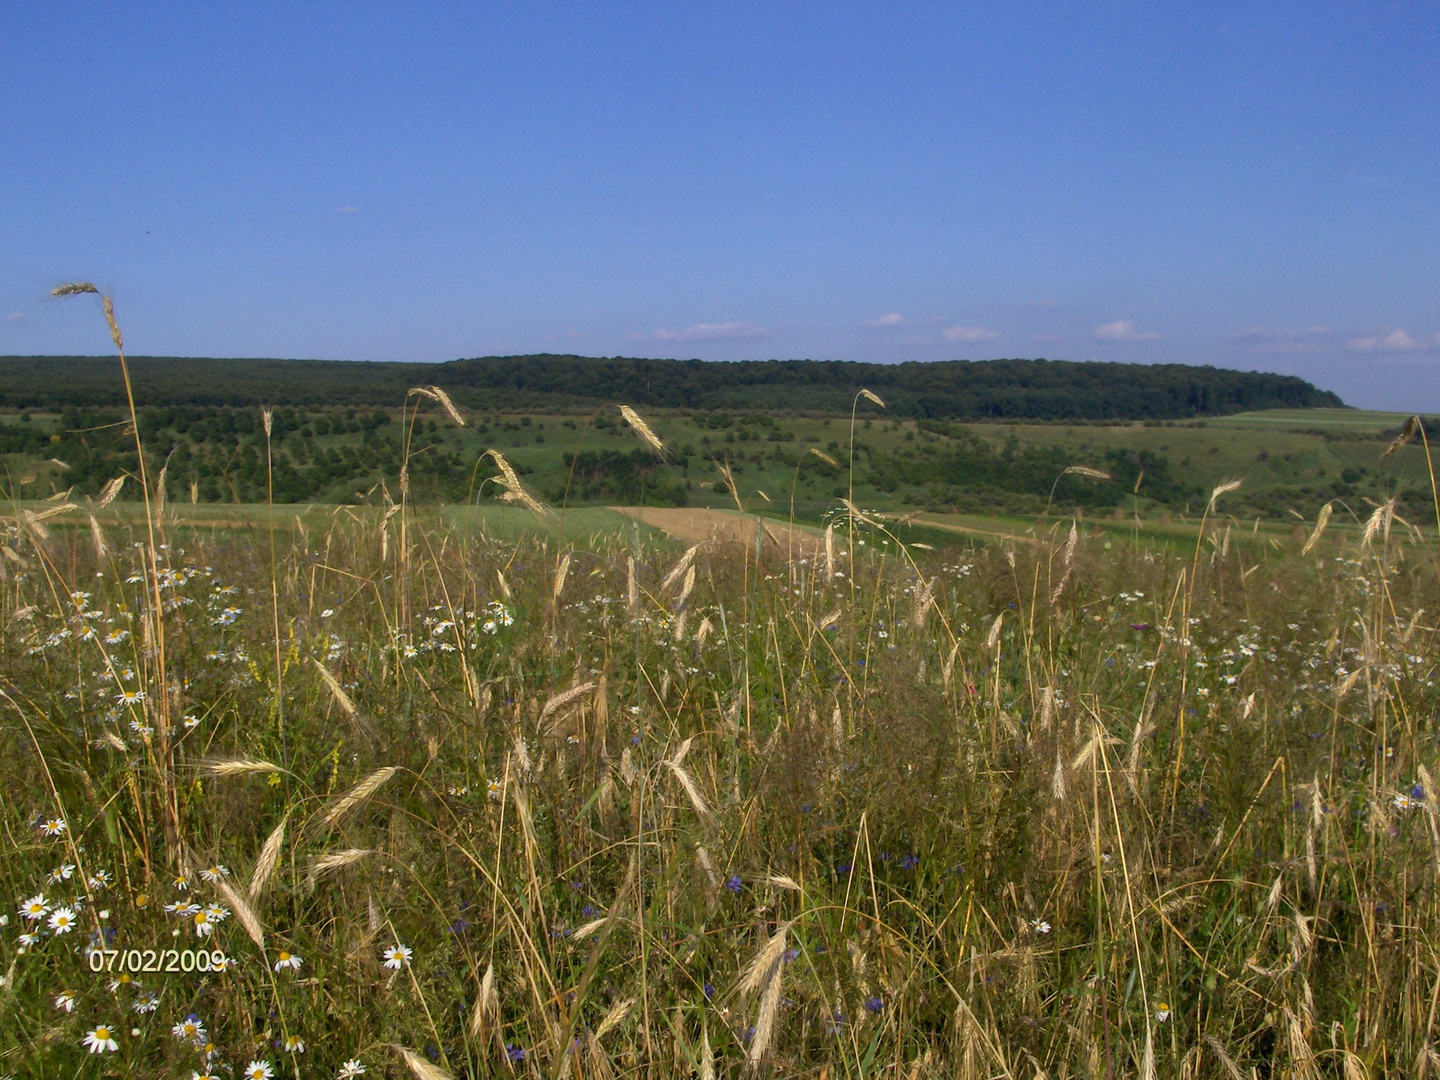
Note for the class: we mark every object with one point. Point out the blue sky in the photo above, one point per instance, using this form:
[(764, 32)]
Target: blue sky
[(1252, 186)]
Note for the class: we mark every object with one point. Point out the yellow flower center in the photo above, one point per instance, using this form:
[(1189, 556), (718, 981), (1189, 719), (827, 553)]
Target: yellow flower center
[(102, 1033)]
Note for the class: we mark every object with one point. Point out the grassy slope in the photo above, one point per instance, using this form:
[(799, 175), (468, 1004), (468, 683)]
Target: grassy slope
[(1287, 458)]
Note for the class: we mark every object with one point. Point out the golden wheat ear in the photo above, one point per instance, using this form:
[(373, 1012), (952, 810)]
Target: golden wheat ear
[(636, 421)]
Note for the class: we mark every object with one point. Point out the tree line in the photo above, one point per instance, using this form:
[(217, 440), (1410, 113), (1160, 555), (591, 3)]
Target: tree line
[(946, 390)]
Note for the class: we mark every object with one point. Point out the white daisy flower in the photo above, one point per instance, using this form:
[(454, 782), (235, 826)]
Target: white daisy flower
[(350, 1070), (181, 882), (147, 1002), (100, 1040), (65, 1000), (215, 873), (293, 1044), (62, 920), (1040, 926), (63, 872), (36, 908), (258, 1070), (54, 826), (288, 960), (397, 956), (1162, 1012), (190, 1029), (130, 697)]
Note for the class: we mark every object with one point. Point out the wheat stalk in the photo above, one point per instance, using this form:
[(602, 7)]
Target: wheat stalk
[(336, 860), (358, 794), (1320, 523), (422, 1069), (98, 536), (341, 698), (681, 565), (1227, 1063), (691, 791), (1223, 489), (269, 857), (1406, 434), (636, 421), (614, 1017), (765, 1018), (515, 490), (242, 766), (561, 572), (244, 912), (856, 514), (449, 406), (559, 701), (487, 1004), (824, 457), (109, 491), (869, 395), (757, 973)]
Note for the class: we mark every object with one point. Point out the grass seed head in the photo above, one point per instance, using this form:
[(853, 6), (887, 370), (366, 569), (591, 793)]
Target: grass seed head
[(1407, 432), (358, 794), (636, 421)]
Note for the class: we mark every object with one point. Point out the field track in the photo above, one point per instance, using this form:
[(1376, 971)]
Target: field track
[(694, 526)]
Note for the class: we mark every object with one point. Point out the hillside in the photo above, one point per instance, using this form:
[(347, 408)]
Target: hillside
[(950, 390)]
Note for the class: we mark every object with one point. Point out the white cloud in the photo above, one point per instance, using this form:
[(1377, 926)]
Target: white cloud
[(730, 331), (892, 319), (968, 333), (1123, 330), (1395, 341)]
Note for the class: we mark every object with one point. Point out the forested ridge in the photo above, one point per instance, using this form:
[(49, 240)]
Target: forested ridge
[(945, 390)]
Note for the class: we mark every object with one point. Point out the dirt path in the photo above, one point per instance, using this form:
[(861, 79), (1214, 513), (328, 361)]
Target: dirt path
[(694, 526)]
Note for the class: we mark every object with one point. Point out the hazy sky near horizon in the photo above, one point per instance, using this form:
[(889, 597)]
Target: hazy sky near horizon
[(1246, 185)]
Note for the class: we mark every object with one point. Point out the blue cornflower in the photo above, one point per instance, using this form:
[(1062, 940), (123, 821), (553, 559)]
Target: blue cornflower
[(515, 1052), (733, 883), (874, 1004), (589, 911), (909, 862), (709, 991)]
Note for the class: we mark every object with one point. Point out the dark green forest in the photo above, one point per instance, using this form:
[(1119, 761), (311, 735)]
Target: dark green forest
[(949, 390), (951, 436)]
